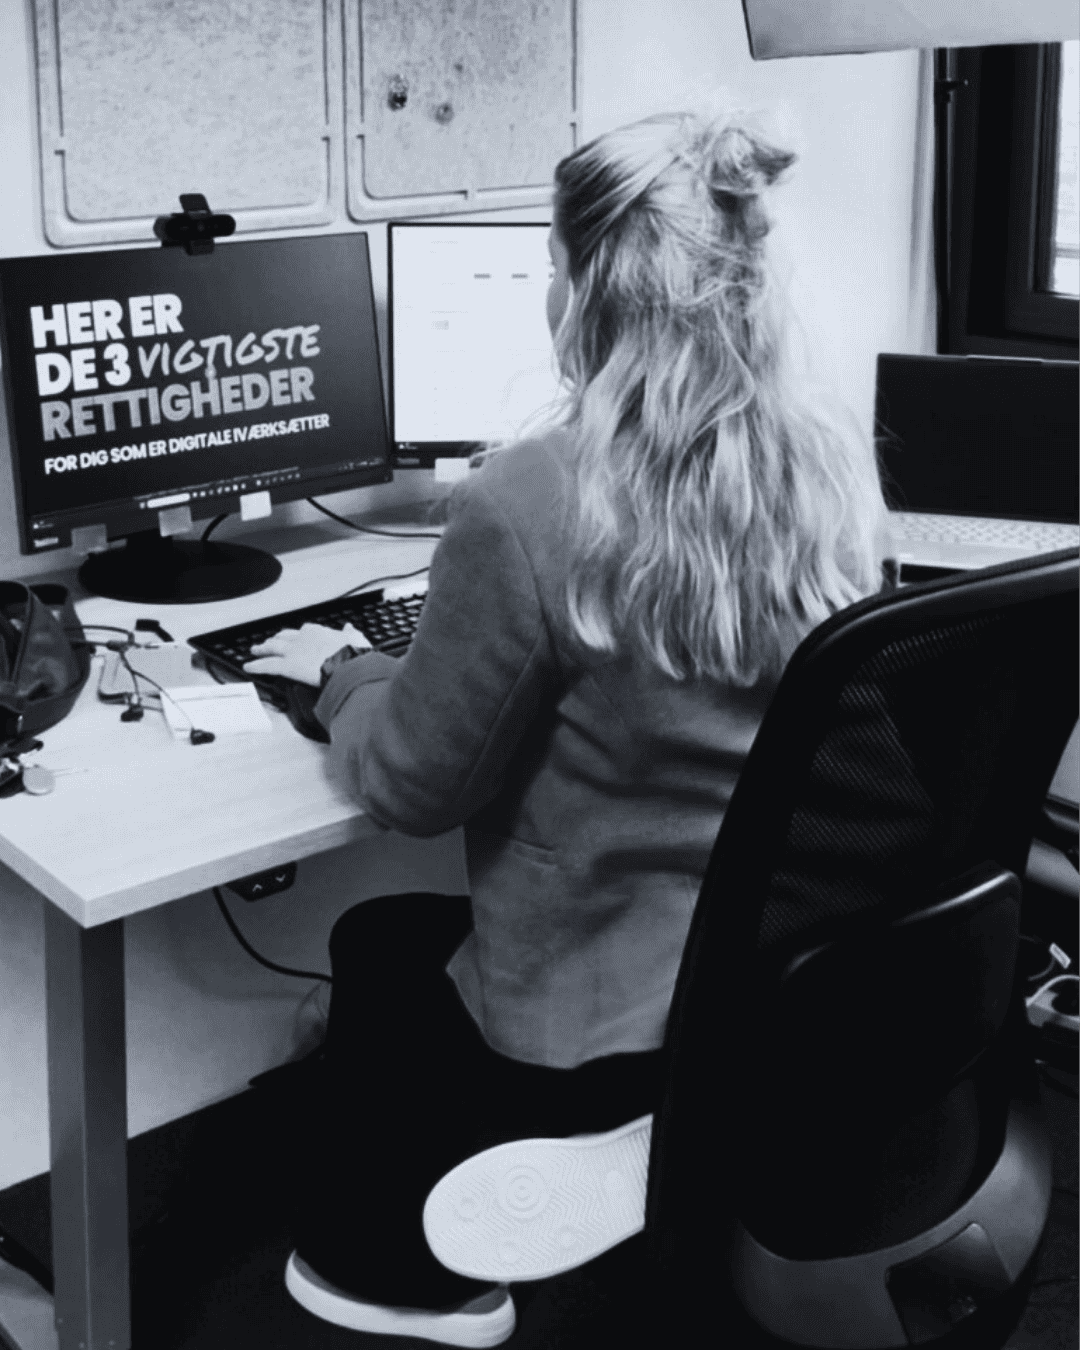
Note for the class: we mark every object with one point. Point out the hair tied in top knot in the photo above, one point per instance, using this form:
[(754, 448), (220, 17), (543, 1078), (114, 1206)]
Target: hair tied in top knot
[(739, 162)]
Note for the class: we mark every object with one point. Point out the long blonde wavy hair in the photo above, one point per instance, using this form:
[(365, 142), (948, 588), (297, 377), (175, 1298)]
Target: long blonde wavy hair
[(721, 509)]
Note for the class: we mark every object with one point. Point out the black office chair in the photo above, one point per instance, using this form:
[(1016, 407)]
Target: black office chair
[(850, 1137)]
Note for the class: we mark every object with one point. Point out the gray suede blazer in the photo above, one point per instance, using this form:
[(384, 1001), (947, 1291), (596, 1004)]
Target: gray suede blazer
[(590, 792)]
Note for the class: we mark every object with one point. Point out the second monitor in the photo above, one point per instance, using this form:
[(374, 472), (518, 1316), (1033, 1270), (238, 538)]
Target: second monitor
[(471, 359)]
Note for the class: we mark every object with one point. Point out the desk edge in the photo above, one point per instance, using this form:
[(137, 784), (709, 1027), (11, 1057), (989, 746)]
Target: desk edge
[(91, 910)]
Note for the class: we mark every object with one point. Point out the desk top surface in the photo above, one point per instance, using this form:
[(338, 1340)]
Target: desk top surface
[(152, 818)]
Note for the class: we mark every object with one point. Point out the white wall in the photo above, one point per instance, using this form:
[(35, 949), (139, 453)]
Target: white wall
[(202, 1017), (843, 221)]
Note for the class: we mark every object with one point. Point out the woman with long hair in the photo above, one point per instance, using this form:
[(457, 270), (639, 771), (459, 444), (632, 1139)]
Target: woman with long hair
[(610, 608)]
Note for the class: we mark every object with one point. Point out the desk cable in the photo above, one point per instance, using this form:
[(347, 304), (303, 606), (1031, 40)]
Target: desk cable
[(262, 960), (378, 581), (134, 711), (387, 534), (370, 529), (366, 529)]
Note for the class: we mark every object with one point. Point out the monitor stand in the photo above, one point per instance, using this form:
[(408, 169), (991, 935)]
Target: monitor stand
[(150, 569)]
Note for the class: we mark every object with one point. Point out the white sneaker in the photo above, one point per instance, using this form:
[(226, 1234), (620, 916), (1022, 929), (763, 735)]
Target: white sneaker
[(535, 1207), (487, 1320)]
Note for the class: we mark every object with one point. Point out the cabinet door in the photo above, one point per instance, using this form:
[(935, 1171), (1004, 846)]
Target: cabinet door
[(142, 100), (457, 105)]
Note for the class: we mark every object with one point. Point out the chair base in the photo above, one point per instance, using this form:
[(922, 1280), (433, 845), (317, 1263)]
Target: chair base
[(916, 1291)]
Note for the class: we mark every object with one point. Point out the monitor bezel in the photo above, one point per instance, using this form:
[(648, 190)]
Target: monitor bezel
[(423, 454)]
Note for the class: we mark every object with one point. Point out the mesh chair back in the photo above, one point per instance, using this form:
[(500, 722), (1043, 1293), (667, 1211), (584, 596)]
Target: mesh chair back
[(908, 749)]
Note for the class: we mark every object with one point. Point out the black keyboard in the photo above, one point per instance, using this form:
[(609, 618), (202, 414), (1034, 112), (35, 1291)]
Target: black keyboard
[(388, 624)]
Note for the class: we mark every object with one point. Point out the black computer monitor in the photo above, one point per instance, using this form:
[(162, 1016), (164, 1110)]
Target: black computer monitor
[(980, 436), (470, 352), (147, 381)]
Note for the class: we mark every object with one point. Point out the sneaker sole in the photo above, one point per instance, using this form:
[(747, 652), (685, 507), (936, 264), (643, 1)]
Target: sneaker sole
[(326, 1301), (536, 1207)]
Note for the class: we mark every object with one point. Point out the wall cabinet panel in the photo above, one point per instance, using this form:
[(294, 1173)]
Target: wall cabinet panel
[(457, 105), (294, 113), (140, 100)]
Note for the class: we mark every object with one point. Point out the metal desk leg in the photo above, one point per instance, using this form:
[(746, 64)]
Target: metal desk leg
[(88, 1132)]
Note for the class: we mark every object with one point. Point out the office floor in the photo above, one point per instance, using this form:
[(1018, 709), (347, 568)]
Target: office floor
[(1051, 1318), (210, 1243)]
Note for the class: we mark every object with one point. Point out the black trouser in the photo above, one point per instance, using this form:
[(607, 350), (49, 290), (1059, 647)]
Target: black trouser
[(410, 1088)]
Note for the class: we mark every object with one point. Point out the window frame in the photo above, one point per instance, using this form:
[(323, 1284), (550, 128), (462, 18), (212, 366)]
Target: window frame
[(996, 126)]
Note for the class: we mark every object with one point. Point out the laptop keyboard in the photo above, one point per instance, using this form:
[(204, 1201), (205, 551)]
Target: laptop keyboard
[(1034, 535)]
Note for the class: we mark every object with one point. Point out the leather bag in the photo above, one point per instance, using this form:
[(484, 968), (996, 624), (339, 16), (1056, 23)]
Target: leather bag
[(44, 659)]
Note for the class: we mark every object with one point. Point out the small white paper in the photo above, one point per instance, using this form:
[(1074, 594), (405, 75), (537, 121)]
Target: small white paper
[(450, 470), (220, 708), (253, 506)]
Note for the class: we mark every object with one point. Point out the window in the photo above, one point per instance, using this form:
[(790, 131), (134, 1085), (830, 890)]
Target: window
[(1006, 219), (1065, 239)]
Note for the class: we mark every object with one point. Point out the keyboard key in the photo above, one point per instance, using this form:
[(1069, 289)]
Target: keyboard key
[(914, 527)]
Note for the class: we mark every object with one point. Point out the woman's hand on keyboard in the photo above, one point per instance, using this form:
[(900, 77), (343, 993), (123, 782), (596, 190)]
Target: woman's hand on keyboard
[(298, 653)]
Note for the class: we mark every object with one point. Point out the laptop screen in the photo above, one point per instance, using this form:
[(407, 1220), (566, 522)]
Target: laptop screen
[(979, 436)]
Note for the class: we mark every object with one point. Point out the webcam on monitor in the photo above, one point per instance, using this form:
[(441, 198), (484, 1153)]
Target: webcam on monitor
[(194, 227)]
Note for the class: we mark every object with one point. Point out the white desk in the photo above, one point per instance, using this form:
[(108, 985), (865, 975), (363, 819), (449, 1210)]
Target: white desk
[(151, 820)]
